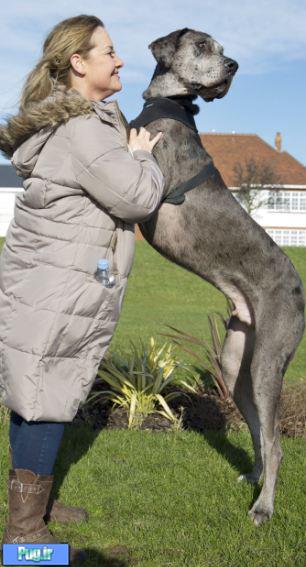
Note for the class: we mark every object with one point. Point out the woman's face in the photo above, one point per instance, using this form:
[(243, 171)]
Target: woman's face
[(97, 76)]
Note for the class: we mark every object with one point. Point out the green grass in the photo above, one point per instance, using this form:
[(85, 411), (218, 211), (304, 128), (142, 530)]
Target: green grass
[(172, 498)]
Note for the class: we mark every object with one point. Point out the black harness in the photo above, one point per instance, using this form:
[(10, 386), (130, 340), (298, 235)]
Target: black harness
[(159, 107)]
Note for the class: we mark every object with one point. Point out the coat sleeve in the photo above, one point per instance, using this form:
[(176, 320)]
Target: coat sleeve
[(130, 186)]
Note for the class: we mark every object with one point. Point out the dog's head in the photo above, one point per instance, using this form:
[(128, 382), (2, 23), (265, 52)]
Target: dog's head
[(197, 61)]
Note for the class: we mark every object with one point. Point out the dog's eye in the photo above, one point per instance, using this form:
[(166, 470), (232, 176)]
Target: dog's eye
[(202, 43)]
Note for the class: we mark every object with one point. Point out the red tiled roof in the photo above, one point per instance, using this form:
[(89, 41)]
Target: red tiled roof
[(226, 149)]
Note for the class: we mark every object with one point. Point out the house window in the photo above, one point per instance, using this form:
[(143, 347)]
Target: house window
[(287, 201), (288, 237)]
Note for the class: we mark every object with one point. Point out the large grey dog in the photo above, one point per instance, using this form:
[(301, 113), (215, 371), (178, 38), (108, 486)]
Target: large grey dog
[(211, 235)]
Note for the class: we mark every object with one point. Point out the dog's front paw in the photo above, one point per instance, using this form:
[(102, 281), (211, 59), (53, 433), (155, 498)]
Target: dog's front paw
[(259, 514)]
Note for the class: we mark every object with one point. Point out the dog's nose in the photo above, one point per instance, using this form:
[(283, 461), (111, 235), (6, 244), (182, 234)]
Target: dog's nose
[(231, 65)]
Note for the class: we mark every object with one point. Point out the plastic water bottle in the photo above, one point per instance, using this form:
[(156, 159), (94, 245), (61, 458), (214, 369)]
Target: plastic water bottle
[(103, 274)]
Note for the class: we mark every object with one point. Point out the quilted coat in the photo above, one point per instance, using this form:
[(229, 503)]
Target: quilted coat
[(84, 190)]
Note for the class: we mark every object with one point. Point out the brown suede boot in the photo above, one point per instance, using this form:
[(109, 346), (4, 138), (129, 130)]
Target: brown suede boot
[(58, 512), (28, 495)]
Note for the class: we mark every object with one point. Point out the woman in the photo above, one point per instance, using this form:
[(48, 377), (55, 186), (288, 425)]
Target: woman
[(86, 186)]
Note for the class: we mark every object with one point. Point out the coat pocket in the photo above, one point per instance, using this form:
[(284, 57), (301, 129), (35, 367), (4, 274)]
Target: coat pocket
[(105, 322), (108, 299)]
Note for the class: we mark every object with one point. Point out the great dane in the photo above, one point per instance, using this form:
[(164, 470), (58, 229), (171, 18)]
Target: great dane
[(211, 235)]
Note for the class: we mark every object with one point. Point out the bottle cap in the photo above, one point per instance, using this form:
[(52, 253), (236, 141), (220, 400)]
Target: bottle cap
[(103, 264)]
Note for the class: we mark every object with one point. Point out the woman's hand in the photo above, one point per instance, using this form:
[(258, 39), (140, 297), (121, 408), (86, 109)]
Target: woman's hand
[(142, 140)]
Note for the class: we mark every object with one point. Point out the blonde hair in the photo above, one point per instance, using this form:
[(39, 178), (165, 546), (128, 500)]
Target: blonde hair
[(69, 36)]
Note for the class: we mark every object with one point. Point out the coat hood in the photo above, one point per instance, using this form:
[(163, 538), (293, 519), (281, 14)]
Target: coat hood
[(25, 134)]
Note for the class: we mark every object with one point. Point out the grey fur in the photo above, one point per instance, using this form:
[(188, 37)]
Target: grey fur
[(211, 235)]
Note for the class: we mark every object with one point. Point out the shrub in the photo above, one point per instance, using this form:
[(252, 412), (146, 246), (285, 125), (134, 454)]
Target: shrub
[(141, 382)]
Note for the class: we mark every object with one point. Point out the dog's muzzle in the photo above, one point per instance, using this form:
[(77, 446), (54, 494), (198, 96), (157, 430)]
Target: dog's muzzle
[(220, 89)]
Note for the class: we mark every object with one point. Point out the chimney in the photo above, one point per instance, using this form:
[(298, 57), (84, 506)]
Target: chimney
[(278, 142)]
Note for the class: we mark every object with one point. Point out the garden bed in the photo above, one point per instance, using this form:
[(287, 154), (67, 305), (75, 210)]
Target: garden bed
[(199, 412)]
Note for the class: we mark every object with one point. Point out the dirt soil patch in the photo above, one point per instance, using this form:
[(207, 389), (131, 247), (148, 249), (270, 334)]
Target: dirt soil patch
[(202, 411)]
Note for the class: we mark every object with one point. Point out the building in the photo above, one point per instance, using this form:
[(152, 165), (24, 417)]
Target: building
[(10, 185), (283, 215)]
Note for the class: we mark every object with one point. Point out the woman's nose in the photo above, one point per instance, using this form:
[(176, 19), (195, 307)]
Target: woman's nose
[(119, 62)]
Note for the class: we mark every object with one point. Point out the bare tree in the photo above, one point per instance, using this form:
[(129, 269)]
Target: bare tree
[(252, 178)]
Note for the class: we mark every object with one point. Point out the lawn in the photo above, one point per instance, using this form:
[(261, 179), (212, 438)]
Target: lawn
[(171, 499)]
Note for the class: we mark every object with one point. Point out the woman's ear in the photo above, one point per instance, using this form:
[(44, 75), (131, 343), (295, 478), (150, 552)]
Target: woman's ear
[(77, 63)]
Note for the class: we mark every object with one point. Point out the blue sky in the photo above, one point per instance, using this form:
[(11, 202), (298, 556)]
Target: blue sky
[(268, 39)]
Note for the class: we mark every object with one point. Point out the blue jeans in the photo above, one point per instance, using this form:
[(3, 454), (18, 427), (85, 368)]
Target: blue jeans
[(34, 444)]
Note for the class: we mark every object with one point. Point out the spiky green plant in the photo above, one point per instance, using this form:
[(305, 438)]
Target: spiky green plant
[(140, 383)]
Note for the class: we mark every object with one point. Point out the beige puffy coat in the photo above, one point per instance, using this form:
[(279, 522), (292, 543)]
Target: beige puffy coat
[(84, 190)]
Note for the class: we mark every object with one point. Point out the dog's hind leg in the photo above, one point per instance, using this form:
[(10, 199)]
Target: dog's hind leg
[(267, 377), (280, 329), (236, 359)]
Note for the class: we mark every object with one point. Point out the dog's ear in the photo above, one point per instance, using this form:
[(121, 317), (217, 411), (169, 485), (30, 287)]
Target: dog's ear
[(164, 48)]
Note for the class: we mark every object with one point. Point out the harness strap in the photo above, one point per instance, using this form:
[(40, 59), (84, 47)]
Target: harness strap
[(163, 107), (177, 195), (158, 107)]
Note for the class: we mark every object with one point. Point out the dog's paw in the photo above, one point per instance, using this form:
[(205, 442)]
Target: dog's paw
[(259, 514), (251, 477)]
